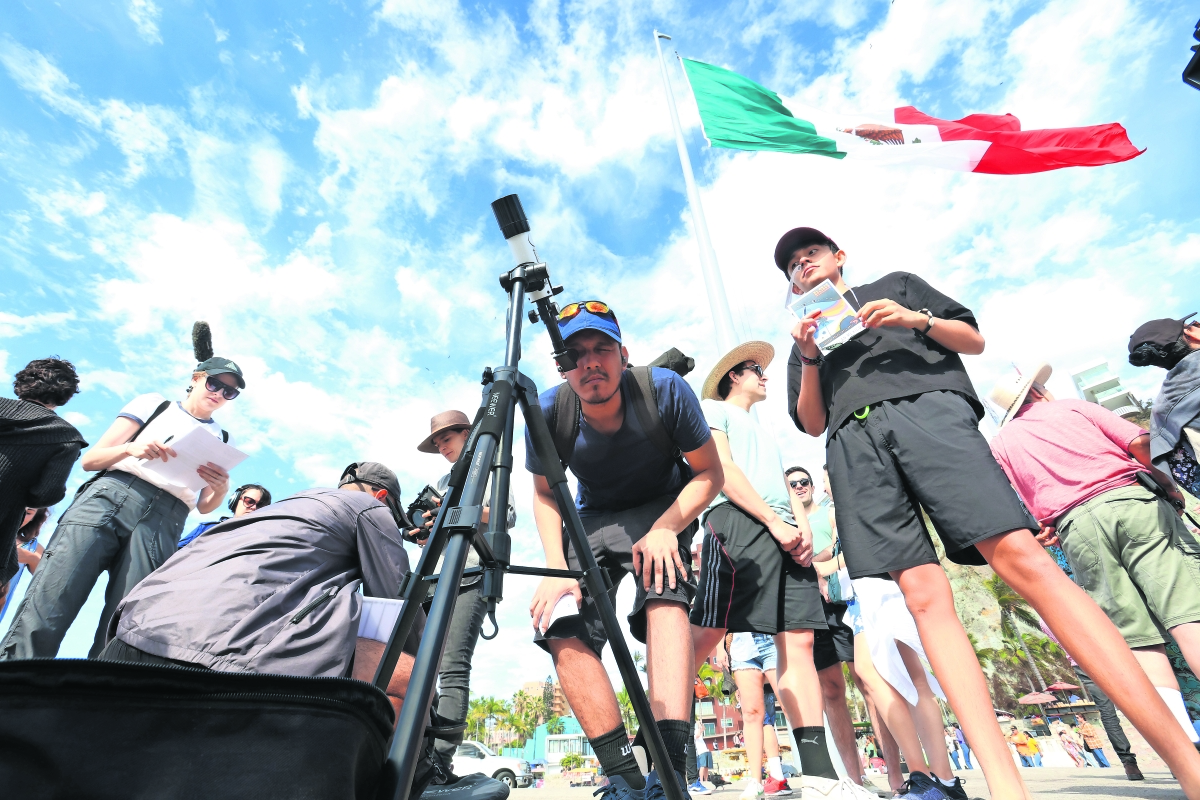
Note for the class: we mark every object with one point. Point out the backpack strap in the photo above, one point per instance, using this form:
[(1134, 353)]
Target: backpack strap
[(163, 406), (643, 398), (564, 421)]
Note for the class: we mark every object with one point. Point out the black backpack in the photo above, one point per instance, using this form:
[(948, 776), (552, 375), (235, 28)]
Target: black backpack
[(641, 396)]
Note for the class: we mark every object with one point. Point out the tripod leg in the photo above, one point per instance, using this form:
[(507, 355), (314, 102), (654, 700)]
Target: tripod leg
[(593, 578)]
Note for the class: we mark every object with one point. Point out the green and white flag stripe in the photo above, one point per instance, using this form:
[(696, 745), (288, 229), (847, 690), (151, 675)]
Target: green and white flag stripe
[(738, 113)]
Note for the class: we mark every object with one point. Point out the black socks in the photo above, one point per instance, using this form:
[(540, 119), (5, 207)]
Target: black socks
[(814, 753), (675, 734), (615, 754)]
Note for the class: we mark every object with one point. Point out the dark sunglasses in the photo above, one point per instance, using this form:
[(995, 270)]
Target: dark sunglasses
[(249, 501), (755, 368), (214, 385), (591, 306), (802, 483)]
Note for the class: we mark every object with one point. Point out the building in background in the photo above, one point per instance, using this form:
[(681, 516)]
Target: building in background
[(1097, 383), (559, 707)]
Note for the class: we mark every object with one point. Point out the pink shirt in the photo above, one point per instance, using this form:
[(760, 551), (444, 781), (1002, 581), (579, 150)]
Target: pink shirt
[(1062, 453)]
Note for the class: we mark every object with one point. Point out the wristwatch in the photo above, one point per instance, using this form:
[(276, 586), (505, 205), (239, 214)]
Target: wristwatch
[(929, 324)]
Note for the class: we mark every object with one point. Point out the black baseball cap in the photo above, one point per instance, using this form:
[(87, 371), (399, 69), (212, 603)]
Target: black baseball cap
[(217, 366), (1162, 332), (375, 474), (796, 238)]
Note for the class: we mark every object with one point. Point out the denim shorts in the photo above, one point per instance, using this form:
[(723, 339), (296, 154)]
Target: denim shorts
[(766, 655)]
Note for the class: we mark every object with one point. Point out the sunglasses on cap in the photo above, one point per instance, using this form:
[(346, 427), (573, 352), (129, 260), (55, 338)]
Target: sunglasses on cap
[(591, 306), (214, 385), (802, 483)]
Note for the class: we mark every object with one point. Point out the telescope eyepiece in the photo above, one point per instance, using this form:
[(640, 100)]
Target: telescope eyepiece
[(510, 216)]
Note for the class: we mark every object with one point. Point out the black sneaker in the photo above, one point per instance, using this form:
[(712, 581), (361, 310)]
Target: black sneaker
[(468, 787), (955, 792), (618, 789), (654, 787), (920, 786)]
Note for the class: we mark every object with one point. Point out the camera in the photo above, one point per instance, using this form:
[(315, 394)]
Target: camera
[(427, 500)]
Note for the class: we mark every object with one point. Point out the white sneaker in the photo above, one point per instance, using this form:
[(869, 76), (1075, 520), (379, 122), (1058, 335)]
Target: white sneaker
[(871, 787), (753, 791), (844, 789)]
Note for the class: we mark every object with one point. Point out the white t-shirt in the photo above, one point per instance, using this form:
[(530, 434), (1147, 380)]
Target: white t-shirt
[(174, 421), (701, 745)]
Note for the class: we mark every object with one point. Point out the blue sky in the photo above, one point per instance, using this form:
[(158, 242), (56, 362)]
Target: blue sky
[(314, 180)]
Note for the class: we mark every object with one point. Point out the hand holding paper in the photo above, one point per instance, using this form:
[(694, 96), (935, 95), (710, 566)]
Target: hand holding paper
[(197, 453)]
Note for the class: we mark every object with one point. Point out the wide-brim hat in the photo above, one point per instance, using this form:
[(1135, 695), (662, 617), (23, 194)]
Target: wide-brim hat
[(760, 353), (1162, 332), (1009, 394), (445, 421)]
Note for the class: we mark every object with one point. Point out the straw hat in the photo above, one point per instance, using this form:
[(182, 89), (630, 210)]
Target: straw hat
[(1010, 392), (445, 421), (760, 353)]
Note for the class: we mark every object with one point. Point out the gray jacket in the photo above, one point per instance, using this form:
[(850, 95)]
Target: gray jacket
[(1176, 407), (272, 591)]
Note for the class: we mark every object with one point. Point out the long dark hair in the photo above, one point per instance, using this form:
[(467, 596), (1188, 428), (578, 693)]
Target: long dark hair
[(30, 530), (1166, 356)]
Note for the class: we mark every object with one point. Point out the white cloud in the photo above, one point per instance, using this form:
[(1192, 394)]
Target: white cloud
[(12, 325), (219, 33), (145, 15), (76, 418)]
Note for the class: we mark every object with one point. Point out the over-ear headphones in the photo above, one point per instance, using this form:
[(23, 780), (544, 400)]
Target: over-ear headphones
[(264, 500)]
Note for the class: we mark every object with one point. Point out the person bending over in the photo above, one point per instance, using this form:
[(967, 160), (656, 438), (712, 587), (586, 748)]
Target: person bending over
[(128, 519), (901, 422), (37, 448), (1079, 468), (448, 432), (756, 572), (639, 506), (250, 497)]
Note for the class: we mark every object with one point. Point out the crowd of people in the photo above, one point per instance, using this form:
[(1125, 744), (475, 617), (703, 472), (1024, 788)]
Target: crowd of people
[(788, 590)]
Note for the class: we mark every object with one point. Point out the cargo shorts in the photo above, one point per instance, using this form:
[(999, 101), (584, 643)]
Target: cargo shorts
[(1138, 561)]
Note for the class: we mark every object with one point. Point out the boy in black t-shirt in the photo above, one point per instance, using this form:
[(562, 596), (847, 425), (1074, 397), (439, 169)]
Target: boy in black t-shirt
[(902, 420)]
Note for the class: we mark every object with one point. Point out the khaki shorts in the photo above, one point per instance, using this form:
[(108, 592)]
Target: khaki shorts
[(1137, 560)]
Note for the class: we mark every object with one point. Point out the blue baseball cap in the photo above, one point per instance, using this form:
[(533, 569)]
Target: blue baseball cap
[(583, 318)]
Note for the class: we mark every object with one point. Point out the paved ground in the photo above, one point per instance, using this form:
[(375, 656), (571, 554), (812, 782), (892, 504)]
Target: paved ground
[(1085, 784)]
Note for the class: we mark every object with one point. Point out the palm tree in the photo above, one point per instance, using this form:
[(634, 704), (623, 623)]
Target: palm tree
[(639, 660), (554, 725), (1014, 610), (714, 679), (628, 716)]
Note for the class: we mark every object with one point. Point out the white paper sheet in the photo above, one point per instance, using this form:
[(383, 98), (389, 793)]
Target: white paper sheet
[(378, 618), (194, 448), (565, 607)]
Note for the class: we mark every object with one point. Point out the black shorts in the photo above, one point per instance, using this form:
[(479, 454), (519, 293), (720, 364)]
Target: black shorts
[(923, 451), (612, 536), (748, 584), (836, 644)]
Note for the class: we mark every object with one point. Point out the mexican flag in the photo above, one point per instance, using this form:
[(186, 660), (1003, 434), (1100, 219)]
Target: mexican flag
[(738, 113)]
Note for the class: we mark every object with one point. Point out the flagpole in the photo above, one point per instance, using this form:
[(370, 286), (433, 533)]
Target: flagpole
[(717, 301)]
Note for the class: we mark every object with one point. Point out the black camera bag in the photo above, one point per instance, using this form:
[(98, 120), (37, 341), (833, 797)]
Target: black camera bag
[(82, 729)]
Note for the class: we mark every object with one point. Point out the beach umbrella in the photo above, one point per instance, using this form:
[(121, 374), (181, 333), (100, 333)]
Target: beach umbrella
[(1062, 686), (1036, 699)]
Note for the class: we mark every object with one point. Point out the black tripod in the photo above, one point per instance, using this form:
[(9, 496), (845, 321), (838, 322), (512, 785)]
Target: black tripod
[(458, 525)]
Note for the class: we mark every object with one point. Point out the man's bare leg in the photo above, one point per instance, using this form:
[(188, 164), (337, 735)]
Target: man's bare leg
[(670, 667), (704, 641), (833, 693), (927, 715), (750, 696), (1090, 637), (798, 687), (586, 685), (931, 602)]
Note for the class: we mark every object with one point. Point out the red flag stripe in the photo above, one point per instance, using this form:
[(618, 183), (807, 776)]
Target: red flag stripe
[(1017, 152)]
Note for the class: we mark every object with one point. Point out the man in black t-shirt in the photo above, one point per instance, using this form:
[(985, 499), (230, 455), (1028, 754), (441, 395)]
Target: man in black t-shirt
[(902, 421)]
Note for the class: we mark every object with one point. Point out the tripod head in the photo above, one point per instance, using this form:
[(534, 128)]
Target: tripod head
[(514, 226)]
